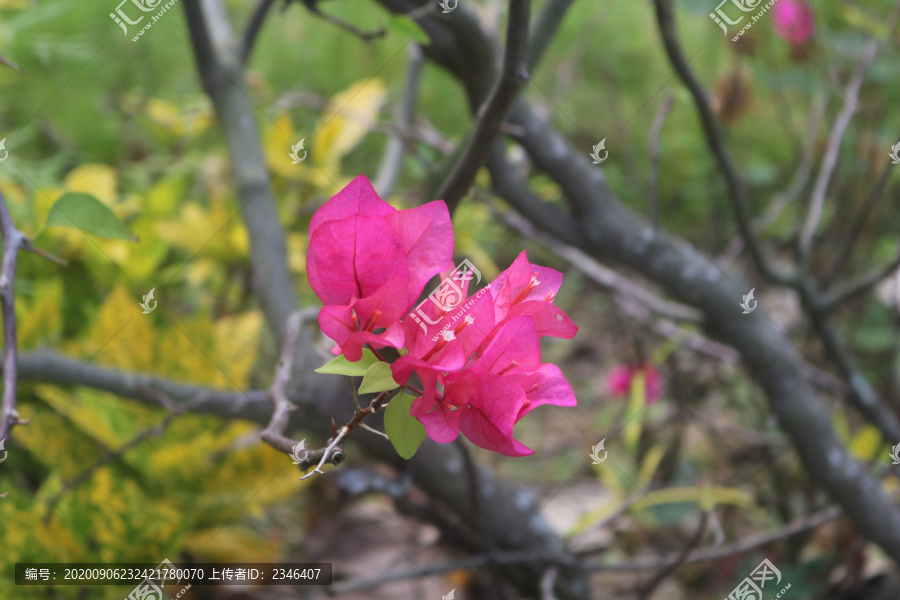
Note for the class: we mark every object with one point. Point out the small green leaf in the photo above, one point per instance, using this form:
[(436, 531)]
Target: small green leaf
[(409, 29), (82, 211), (378, 379), (342, 366), (403, 429)]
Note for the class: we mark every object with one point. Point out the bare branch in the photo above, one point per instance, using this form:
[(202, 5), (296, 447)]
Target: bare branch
[(737, 191), (749, 543), (545, 28), (829, 161), (253, 27), (860, 285), (403, 119), (12, 242), (366, 36), (273, 434), (655, 134), (492, 113), (221, 71)]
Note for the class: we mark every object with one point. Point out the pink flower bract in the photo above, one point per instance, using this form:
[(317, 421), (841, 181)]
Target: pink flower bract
[(478, 358), (619, 378), (794, 20)]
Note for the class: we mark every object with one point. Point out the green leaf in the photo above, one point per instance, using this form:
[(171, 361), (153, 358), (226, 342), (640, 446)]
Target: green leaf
[(342, 366), (82, 211), (378, 379), (403, 429), (409, 29)]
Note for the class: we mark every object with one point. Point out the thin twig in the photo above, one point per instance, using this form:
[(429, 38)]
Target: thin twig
[(403, 119), (252, 29), (829, 161), (860, 285), (112, 455), (366, 36), (273, 434), (493, 112), (548, 580), (659, 120), (647, 590), (737, 191), (749, 543), (854, 234)]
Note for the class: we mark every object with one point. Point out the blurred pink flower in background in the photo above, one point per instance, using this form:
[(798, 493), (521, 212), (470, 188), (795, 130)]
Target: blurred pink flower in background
[(794, 20), (618, 381)]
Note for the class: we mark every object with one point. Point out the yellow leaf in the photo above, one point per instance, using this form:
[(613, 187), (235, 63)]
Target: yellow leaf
[(866, 444), (277, 142), (164, 115), (345, 122), (297, 244), (236, 341), (650, 465), (121, 334), (705, 496), (42, 321), (96, 179)]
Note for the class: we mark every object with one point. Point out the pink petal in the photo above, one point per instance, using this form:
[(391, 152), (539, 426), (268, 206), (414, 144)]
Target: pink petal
[(514, 347), (352, 257), (425, 236), (549, 318), (358, 197), (547, 385)]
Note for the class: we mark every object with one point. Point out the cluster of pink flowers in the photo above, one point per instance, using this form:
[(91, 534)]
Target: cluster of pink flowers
[(369, 262)]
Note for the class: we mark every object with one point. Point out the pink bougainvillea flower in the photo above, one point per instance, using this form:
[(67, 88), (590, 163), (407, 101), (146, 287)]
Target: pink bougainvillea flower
[(794, 20), (488, 398), (478, 358), (368, 262), (620, 377)]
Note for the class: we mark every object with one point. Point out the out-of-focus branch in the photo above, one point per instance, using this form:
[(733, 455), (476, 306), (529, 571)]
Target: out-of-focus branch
[(601, 275), (829, 161), (366, 36), (493, 112), (737, 191), (853, 235), (859, 285), (253, 27), (109, 456), (221, 71), (655, 137), (740, 547), (545, 29), (403, 119)]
